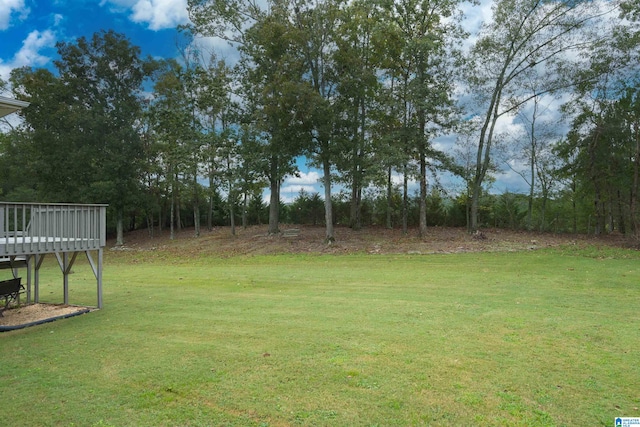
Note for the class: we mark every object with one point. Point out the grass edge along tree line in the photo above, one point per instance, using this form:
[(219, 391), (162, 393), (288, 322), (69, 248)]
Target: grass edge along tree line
[(359, 89)]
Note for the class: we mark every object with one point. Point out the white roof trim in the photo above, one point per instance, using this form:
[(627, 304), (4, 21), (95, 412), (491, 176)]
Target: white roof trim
[(9, 105)]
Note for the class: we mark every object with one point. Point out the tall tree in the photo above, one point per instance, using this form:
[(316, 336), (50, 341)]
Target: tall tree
[(277, 98), (214, 91), (251, 170), (601, 153), (173, 116), (526, 38), (422, 34), (529, 150), (314, 23), (600, 148), (274, 93), (356, 63)]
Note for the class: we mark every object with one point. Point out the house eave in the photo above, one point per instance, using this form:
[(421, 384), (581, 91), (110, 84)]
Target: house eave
[(10, 105)]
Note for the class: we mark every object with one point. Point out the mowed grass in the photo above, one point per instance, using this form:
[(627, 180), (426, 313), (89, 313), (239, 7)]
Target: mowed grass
[(544, 338)]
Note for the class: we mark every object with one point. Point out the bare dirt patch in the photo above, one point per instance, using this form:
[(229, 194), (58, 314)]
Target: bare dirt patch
[(36, 312), (375, 240)]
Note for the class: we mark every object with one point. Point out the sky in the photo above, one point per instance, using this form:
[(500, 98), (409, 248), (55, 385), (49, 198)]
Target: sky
[(30, 29)]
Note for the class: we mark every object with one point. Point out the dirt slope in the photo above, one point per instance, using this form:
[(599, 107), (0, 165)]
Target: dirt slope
[(309, 239)]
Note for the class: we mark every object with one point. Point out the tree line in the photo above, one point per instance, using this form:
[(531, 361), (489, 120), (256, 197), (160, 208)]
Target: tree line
[(365, 91)]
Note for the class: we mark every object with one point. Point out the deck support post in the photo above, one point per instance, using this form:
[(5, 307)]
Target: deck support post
[(97, 272), (65, 265), (65, 279), (99, 277), (36, 285), (29, 258)]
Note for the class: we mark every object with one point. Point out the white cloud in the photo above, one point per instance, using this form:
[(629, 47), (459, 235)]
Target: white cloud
[(158, 14), (222, 49), (57, 19), (29, 53), (397, 179), (475, 15), (304, 178), (509, 181), (8, 8), (292, 185)]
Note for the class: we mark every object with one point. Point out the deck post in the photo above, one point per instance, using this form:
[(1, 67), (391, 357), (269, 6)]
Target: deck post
[(36, 284), (29, 258), (99, 277), (36, 278), (65, 275)]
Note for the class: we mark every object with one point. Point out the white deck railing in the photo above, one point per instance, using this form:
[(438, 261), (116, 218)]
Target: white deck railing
[(38, 228)]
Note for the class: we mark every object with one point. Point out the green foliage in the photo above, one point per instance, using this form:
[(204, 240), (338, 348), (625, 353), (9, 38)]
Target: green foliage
[(307, 209), (601, 160), (257, 210), (419, 52), (508, 211), (361, 89), (17, 178)]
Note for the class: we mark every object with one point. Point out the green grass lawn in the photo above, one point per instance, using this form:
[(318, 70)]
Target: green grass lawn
[(547, 337)]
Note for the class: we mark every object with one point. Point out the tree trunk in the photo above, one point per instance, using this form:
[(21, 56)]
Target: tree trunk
[(423, 196), (328, 207), (389, 201), (543, 210), (610, 226), (210, 209), (172, 234), (483, 157), (119, 228), (475, 204), (405, 201), (232, 216), (467, 210), (244, 211), (531, 193), (150, 223), (356, 206), (635, 222), (274, 200), (621, 215), (178, 216), (600, 218), (574, 207), (405, 178), (354, 220), (196, 208), (533, 159)]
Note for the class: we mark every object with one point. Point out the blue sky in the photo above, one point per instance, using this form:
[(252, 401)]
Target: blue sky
[(29, 30)]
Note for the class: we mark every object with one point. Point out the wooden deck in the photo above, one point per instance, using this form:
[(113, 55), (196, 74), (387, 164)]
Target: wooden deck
[(31, 228), (30, 231)]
